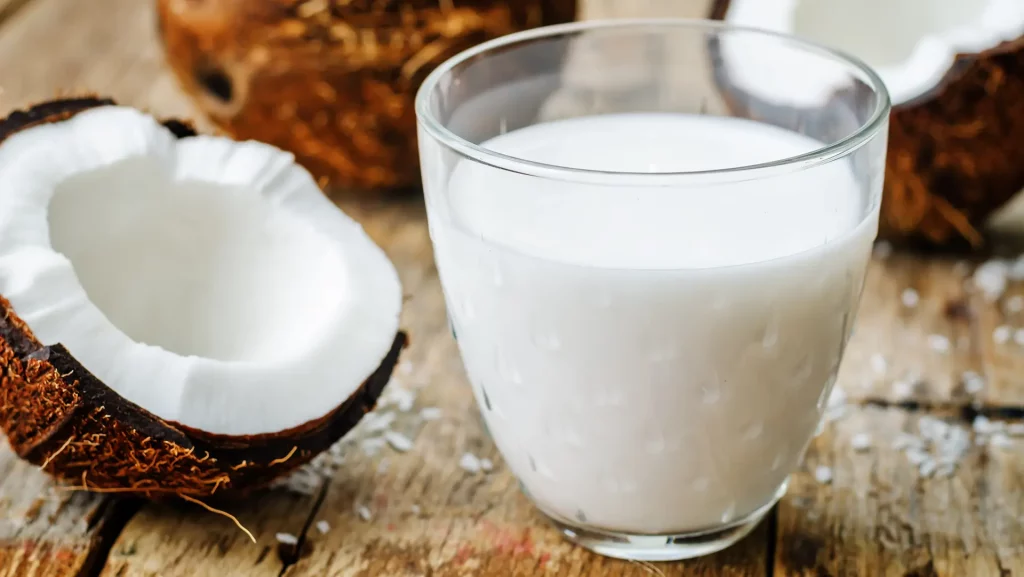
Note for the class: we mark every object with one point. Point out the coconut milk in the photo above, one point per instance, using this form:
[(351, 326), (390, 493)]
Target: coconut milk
[(651, 360)]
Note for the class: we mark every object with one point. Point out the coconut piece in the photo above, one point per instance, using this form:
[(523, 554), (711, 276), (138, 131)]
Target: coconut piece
[(175, 367), (332, 81), (955, 71)]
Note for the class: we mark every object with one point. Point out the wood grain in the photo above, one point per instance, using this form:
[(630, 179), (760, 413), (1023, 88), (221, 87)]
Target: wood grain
[(880, 516), (60, 47), (45, 531), (184, 539), (1002, 362), (899, 353), (429, 517)]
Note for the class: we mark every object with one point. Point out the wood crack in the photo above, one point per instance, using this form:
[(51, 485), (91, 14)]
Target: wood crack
[(772, 523), (113, 518), (288, 561), (965, 412)]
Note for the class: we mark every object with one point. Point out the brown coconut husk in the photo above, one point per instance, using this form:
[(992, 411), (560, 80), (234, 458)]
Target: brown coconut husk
[(59, 416), (956, 153), (331, 81)]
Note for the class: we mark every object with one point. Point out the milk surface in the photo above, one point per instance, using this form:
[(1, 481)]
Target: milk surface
[(651, 360)]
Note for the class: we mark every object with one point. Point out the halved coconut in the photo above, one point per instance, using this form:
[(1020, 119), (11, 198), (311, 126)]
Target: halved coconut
[(180, 313), (955, 71)]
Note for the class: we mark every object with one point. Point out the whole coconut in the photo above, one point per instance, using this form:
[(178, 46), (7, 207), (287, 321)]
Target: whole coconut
[(332, 81)]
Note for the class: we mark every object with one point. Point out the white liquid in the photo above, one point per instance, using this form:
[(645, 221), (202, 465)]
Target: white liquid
[(651, 360)]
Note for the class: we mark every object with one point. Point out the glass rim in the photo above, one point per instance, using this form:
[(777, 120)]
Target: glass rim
[(821, 155)]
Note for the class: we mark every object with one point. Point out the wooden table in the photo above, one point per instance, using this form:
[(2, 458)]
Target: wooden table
[(426, 516)]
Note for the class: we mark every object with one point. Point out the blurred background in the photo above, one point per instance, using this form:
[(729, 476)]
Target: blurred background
[(333, 81)]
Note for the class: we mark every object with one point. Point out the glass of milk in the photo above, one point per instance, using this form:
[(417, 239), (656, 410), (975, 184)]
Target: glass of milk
[(652, 238)]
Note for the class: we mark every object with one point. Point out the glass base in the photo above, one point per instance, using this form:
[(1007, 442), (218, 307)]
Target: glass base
[(672, 547)]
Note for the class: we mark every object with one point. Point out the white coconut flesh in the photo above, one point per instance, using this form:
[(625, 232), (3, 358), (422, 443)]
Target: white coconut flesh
[(206, 280), (911, 44)]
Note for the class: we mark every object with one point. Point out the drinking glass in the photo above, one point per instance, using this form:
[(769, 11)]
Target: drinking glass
[(652, 237)]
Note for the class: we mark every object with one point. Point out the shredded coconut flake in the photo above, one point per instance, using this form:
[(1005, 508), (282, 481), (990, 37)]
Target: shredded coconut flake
[(404, 399), (405, 367), (1002, 334), (932, 428), (905, 441), (376, 422), (287, 539), (917, 455), (323, 527), (486, 465), (470, 463), (398, 441), (1018, 336), (973, 382), (364, 512), (902, 388), (835, 409), (861, 442), (837, 397), (430, 413), (1015, 429), (302, 482), (939, 343), (398, 396), (337, 452), (1014, 304), (1001, 440), (983, 426), (910, 298), (372, 445), (879, 364), (415, 509), (991, 278), (1016, 269), (823, 474), (938, 449)]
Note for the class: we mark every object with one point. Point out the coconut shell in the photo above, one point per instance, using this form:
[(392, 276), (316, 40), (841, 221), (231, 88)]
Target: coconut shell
[(956, 153), (332, 81), (59, 416)]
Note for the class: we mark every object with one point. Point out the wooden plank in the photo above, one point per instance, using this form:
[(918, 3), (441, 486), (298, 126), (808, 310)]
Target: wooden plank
[(881, 516), (917, 353), (180, 539), (894, 354), (54, 47), (1002, 354), (45, 531)]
